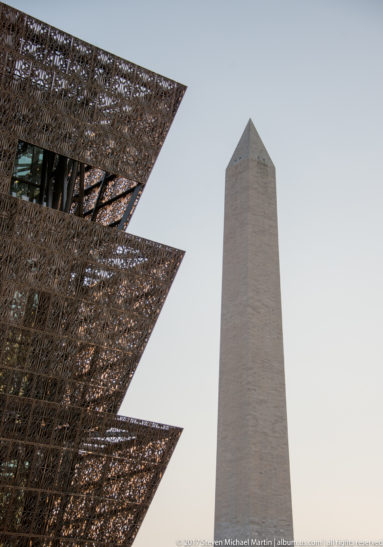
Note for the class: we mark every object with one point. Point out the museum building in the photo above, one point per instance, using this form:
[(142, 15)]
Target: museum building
[(80, 130)]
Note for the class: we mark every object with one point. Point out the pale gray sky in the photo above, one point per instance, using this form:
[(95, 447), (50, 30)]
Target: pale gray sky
[(309, 74)]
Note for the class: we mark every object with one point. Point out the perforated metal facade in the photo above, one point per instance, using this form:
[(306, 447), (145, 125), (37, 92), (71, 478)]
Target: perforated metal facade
[(69, 97), (78, 299)]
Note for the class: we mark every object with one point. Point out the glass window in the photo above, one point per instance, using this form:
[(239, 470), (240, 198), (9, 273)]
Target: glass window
[(44, 177)]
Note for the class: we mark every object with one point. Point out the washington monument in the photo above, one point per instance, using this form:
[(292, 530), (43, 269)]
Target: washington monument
[(253, 498)]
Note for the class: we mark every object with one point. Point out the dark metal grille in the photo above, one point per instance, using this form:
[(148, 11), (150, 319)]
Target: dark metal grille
[(77, 305), (65, 95), (78, 301), (90, 483)]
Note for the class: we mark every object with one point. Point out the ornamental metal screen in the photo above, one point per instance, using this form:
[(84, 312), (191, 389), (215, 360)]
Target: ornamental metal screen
[(71, 98), (80, 130)]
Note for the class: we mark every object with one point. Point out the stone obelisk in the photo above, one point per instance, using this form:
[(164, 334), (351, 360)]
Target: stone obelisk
[(253, 498)]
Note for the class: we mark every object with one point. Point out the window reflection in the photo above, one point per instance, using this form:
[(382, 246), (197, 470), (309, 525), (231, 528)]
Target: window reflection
[(44, 177)]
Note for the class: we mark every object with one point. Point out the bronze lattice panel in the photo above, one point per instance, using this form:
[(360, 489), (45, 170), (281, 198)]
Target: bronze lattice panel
[(77, 304), (67, 96), (78, 299), (74, 475)]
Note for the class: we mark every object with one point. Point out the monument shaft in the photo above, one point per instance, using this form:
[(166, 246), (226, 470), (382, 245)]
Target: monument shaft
[(253, 498)]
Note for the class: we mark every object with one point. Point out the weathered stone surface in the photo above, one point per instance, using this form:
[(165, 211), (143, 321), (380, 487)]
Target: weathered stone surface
[(253, 498)]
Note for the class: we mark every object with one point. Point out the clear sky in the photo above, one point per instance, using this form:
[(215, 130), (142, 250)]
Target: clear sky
[(309, 74)]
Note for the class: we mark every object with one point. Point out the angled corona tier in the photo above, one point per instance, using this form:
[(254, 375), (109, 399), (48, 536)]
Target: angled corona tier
[(80, 130), (253, 499)]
